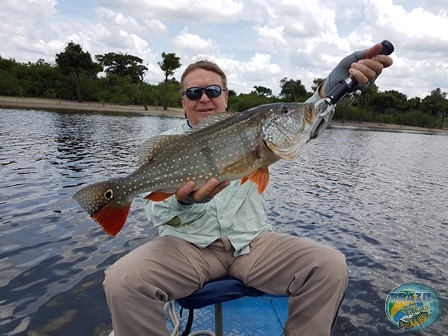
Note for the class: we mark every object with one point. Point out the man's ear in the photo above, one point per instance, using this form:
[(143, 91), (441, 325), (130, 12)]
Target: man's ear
[(226, 97)]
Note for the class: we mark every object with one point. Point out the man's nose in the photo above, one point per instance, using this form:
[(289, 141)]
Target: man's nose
[(204, 97)]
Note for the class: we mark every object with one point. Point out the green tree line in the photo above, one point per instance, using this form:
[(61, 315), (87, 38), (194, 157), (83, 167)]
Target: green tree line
[(117, 78)]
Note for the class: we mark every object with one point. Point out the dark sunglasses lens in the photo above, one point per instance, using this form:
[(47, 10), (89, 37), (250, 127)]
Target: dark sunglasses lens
[(213, 91), (193, 93)]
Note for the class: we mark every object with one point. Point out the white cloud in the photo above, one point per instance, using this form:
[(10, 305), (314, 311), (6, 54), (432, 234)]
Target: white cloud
[(118, 19), (272, 37), (257, 42), (39, 8), (22, 34), (191, 11), (192, 45), (421, 43), (156, 26)]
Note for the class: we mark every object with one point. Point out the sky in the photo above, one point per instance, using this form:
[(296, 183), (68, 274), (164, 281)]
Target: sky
[(256, 42)]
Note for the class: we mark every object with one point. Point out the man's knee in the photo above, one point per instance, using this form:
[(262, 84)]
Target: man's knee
[(124, 278), (116, 280), (132, 276), (334, 266)]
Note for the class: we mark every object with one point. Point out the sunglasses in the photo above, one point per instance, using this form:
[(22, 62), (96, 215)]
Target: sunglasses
[(195, 93)]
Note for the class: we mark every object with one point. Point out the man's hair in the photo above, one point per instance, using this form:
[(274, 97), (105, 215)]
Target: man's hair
[(206, 65)]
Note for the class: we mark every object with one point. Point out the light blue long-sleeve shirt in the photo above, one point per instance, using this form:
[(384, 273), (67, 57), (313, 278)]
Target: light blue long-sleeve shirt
[(238, 212)]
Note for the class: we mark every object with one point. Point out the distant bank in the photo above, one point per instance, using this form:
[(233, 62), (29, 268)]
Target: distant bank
[(64, 105)]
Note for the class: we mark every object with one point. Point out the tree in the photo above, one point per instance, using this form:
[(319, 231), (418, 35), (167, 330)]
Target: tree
[(292, 90), (363, 100), (263, 91), (10, 83), (170, 62), (128, 67), (75, 62), (123, 65), (384, 101), (434, 103), (232, 93)]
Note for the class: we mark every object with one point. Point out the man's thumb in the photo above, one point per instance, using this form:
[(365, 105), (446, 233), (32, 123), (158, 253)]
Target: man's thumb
[(373, 51)]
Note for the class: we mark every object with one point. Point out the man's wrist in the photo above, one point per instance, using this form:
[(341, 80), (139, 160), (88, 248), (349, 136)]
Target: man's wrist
[(321, 90)]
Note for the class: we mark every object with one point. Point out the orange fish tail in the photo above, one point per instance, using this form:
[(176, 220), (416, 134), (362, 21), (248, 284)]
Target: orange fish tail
[(112, 218)]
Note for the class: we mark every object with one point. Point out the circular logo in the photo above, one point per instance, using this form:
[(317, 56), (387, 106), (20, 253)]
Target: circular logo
[(413, 306)]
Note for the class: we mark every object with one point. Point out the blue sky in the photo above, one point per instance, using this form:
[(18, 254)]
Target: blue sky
[(77, 9), (256, 42)]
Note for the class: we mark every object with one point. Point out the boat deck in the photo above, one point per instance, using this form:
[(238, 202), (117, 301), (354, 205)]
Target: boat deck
[(262, 315)]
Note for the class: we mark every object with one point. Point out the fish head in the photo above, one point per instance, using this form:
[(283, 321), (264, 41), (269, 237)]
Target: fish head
[(287, 127)]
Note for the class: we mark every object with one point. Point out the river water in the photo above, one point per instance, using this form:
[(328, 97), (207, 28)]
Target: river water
[(381, 198)]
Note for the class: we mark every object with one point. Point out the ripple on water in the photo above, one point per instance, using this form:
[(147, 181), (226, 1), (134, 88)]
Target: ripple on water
[(380, 198)]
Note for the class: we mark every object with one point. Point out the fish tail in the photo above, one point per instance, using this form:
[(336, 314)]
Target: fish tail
[(106, 204), (112, 218)]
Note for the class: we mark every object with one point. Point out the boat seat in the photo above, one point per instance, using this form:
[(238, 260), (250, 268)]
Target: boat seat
[(215, 292)]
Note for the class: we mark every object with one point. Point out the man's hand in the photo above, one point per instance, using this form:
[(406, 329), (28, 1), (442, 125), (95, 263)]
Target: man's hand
[(364, 65), (185, 195)]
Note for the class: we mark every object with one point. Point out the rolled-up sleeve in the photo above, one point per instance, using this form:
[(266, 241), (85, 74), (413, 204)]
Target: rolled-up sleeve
[(165, 212)]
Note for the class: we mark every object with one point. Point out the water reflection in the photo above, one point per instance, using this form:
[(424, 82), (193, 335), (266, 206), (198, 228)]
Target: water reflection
[(380, 198)]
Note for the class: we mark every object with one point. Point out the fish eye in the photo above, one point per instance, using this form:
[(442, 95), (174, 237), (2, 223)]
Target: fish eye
[(285, 110), (108, 194)]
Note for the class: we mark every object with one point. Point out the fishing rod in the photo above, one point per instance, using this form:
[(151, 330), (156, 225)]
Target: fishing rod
[(342, 88)]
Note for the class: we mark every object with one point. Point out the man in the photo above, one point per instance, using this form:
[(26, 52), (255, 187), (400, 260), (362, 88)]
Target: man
[(222, 229)]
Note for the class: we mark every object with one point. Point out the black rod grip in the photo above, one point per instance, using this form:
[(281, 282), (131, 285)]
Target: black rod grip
[(388, 48), (345, 86)]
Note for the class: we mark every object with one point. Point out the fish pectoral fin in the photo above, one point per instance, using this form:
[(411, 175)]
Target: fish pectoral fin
[(157, 196), (239, 167), (260, 177)]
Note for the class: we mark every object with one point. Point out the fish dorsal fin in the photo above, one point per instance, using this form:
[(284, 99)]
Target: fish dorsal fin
[(150, 146), (213, 119)]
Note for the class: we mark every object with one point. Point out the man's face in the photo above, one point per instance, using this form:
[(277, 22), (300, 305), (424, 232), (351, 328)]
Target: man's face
[(204, 106)]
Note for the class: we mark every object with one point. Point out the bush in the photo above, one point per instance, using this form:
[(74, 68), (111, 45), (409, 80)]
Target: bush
[(416, 118), (384, 118), (246, 101)]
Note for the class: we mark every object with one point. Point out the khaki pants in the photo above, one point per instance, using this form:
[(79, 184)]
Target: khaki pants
[(314, 276)]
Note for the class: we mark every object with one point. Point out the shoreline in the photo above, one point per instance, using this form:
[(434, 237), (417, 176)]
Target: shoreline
[(73, 106), (371, 126)]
